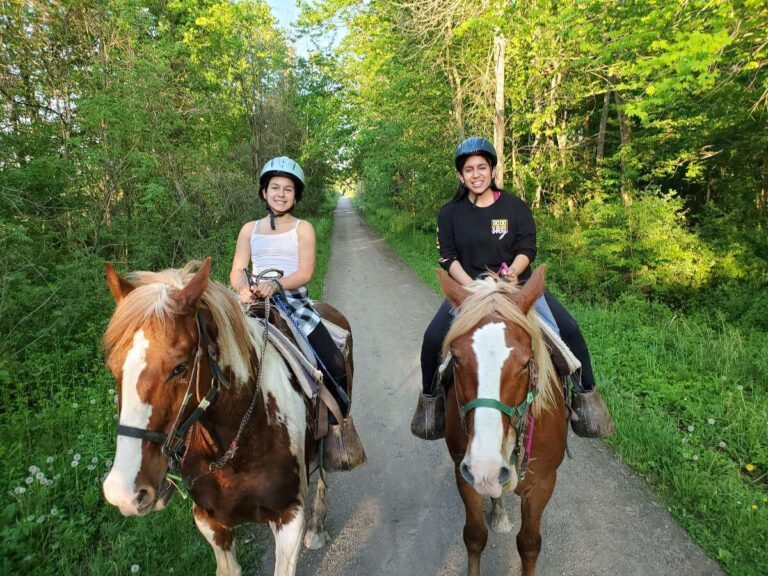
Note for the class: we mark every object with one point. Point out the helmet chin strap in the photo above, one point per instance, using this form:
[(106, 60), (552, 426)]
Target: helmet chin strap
[(273, 215)]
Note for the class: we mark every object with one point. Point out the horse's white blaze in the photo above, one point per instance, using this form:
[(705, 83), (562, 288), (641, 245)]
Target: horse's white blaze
[(287, 543), (120, 485), (226, 560), (491, 352)]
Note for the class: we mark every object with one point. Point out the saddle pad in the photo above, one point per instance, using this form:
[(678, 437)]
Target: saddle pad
[(307, 374), (562, 357), (339, 336)]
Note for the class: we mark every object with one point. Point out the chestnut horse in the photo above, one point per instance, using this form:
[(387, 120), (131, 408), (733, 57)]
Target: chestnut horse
[(505, 412), (201, 393)]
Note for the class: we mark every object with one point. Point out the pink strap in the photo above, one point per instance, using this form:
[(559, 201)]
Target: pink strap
[(529, 438)]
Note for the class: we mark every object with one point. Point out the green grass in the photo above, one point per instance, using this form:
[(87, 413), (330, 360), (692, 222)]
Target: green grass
[(58, 416), (690, 399)]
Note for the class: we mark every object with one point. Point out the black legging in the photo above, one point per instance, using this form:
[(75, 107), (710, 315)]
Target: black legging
[(322, 341), (435, 334)]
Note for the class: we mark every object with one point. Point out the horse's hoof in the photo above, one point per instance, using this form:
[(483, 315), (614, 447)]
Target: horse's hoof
[(593, 418), (315, 540)]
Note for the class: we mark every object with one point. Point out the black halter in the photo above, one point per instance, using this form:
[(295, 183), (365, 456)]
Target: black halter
[(173, 444)]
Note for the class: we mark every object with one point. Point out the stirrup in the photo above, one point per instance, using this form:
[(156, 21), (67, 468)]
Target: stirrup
[(591, 418), (429, 418), (342, 448)]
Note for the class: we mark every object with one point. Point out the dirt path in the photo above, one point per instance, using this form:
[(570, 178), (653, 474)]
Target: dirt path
[(401, 514)]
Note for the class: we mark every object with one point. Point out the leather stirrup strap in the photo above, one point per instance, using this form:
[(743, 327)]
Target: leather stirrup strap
[(330, 401)]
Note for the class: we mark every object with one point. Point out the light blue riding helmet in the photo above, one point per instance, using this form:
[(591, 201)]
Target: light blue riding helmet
[(283, 166)]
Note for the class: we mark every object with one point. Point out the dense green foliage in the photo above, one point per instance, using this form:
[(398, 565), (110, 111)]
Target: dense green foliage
[(132, 132), (638, 130)]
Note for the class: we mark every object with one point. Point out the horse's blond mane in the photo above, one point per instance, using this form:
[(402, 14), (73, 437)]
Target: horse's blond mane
[(152, 301), (491, 296)]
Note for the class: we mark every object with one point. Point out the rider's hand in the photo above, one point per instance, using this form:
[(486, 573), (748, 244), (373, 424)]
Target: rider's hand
[(245, 294), (265, 290)]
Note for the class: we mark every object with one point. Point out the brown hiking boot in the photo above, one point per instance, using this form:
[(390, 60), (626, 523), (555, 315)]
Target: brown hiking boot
[(591, 418), (429, 418)]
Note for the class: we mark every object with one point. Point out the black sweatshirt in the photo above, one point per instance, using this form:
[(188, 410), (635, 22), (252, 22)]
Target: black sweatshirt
[(482, 239)]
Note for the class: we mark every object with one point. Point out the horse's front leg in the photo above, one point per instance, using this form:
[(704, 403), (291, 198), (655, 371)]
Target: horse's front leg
[(317, 536), (533, 500), (222, 540), (288, 531), (475, 532)]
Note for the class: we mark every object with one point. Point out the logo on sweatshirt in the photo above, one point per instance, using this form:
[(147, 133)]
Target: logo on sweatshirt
[(500, 227)]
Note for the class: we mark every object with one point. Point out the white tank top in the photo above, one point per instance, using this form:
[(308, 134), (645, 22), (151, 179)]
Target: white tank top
[(279, 251)]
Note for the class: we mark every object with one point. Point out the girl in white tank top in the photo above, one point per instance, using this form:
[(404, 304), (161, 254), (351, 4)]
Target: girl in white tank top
[(284, 242)]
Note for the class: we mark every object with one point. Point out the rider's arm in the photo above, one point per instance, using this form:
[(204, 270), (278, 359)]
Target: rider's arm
[(242, 259)]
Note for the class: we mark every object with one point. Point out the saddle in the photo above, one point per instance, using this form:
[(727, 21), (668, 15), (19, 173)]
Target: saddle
[(342, 449)]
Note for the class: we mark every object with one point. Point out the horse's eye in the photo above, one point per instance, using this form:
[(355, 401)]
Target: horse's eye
[(179, 370)]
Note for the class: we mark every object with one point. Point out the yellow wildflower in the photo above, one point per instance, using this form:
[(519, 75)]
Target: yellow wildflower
[(750, 467), (754, 506)]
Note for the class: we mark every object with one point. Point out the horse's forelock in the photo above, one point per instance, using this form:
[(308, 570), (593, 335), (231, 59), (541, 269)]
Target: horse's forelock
[(153, 299), (142, 305), (490, 296)]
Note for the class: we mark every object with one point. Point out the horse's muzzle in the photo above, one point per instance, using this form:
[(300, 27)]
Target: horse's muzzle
[(487, 477)]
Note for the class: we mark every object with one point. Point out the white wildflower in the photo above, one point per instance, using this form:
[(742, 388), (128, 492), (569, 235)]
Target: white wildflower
[(34, 470), (29, 479), (76, 457), (721, 444), (94, 460), (135, 568), (710, 421), (40, 519), (75, 405), (74, 463), (690, 428), (49, 460)]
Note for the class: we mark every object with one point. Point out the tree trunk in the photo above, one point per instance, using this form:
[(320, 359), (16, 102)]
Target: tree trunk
[(625, 132), (499, 120), (457, 99), (603, 125)]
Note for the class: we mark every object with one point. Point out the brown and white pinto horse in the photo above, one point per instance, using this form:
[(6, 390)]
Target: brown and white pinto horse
[(155, 347), (504, 389)]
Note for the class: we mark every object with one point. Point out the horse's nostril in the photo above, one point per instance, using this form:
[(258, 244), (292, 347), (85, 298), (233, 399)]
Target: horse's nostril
[(466, 473), (144, 498), (504, 475)]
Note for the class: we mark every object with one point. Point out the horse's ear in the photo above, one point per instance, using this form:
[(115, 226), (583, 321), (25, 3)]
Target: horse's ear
[(188, 297), (452, 289), (119, 286), (532, 290)]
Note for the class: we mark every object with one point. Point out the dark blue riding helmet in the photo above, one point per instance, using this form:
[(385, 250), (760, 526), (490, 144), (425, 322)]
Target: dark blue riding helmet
[(475, 145)]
